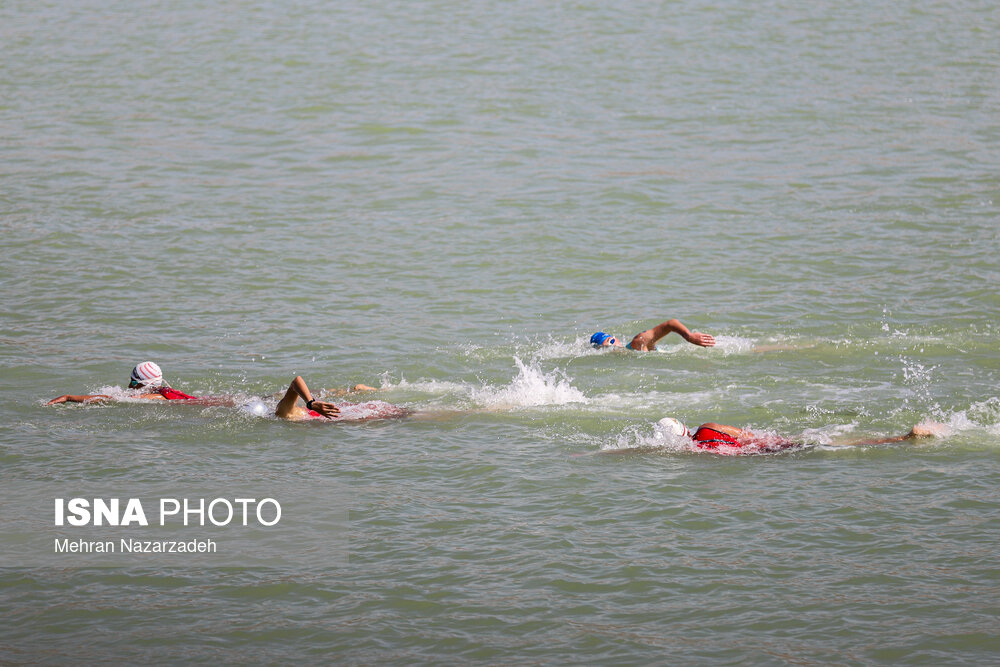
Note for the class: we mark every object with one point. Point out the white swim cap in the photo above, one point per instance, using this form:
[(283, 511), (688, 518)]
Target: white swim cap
[(147, 374), (674, 427)]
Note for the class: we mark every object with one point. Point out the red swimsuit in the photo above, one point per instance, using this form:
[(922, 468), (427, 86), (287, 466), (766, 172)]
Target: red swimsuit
[(173, 395), (709, 438)]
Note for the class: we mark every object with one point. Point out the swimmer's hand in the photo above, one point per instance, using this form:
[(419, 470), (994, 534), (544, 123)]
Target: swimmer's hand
[(328, 410), (364, 387), (930, 429), (699, 338)]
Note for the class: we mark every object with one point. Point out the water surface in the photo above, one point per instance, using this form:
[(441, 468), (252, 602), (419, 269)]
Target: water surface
[(446, 202)]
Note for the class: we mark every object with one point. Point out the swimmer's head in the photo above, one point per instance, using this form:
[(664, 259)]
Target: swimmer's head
[(601, 339), (146, 374), (674, 427)]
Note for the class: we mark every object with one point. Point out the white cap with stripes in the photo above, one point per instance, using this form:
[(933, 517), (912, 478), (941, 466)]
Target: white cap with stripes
[(147, 374)]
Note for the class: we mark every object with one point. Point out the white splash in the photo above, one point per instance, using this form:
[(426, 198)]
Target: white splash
[(980, 416), (734, 345), (257, 408), (919, 379), (531, 387), (663, 437)]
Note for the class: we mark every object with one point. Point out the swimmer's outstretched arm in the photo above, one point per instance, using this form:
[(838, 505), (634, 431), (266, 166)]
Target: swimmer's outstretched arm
[(342, 392), (646, 341), (287, 408), (82, 398), (100, 398), (924, 430)]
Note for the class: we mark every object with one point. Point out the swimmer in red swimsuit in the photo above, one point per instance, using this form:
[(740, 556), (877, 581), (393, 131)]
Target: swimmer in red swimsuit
[(646, 340), (716, 437), (148, 378), (146, 375)]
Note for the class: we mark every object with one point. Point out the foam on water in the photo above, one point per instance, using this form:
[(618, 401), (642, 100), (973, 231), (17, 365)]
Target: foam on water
[(980, 416)]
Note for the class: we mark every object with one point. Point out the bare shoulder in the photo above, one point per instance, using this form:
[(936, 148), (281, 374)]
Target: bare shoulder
[(295, 413), (727, 429), (643, 341)]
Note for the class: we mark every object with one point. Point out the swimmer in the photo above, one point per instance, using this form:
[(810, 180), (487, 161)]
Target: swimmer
[(711, 436), (288, 407), (146, 376), (646, 340), (146, 382)]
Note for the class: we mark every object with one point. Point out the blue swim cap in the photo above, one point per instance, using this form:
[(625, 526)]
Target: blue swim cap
[(597, 340)]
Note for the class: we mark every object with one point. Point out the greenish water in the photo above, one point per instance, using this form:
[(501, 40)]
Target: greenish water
[(446, 201)]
